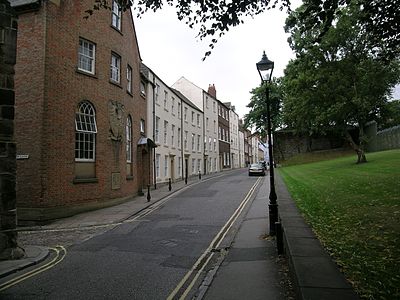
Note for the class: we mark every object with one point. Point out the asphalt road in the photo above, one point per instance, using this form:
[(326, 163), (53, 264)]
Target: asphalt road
[(146, 258)]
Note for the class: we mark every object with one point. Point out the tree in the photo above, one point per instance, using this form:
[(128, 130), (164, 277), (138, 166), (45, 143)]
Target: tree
[(380, 18), (337, 82), (258, 108)]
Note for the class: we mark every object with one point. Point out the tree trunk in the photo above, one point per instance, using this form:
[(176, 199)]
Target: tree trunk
[(361, 158), (8, 213)]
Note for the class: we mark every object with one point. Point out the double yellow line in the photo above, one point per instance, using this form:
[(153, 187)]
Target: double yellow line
[(60, 253), (184, 287)]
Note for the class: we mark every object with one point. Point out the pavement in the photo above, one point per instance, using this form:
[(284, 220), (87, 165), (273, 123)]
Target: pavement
[(250, 268)]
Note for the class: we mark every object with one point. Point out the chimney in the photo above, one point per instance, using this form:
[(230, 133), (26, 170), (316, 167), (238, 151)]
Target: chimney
[(212, 91)]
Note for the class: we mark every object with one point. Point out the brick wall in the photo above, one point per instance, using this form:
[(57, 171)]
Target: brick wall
[(49, 91)]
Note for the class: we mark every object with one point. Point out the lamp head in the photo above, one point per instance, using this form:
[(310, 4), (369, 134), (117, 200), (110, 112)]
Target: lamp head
[(265, 68)]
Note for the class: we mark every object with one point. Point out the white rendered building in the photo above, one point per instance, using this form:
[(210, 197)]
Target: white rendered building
[(208, 105)]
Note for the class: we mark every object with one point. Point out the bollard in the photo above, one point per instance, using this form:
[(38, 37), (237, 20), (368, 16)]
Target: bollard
[(279, 237), (199, 175), (148, 193), (169, 184), (186, 178)]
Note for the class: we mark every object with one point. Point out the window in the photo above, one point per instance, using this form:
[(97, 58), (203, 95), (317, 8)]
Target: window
[(198, 142), (185, 114), (193, 166), (179, 166), (173, 105), (179, 110), (142, 88), (128, 135), (192, 117), (199, 164), (87, 56), (116, 15), (198, 120), (215, 126), (142, 126), (165, 132), (179, 137), (214, 106), (193, 137), (165, 100), (173, 135), (207, 124), (115, 67), (157, 131), (85, 132), (206, 102), (157, 165), (129, 79), (209, 143), (157, 93), (185, 139), (215, 145), (219, 133), (166, 166)]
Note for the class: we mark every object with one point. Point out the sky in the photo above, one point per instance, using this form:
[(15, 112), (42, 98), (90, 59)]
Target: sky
[(172, 50)]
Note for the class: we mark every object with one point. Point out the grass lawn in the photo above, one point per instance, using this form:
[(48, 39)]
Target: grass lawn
[(355, 212)]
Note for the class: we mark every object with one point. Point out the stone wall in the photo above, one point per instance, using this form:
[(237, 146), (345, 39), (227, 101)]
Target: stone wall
[(288, 144), (382, 140)]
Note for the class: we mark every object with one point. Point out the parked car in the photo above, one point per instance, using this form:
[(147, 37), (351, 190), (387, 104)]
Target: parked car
[(256, 169)]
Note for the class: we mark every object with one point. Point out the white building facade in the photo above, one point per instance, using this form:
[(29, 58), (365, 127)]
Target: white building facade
[(207, 104), (176, 126)]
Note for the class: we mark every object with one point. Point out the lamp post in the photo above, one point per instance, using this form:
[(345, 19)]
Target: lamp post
[(265, 68)]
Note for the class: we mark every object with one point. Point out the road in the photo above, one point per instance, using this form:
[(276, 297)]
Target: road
[(155, 256)]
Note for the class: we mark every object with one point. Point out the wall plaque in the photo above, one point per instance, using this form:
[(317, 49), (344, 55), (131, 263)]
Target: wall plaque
[(115, 181)]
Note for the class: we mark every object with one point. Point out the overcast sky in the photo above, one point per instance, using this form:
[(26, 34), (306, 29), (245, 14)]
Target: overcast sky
[(170, 48)]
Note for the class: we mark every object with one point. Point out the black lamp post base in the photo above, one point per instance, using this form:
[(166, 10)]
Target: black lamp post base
[(273, 218)]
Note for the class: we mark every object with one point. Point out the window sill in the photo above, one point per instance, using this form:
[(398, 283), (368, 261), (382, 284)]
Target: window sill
[(117, 29), (115, 83), (129, 177), (85, 180), (129, 93), (86, 73)]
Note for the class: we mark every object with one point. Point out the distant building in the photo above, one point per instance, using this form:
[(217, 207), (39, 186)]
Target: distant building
[(81, 109), (208, 104)]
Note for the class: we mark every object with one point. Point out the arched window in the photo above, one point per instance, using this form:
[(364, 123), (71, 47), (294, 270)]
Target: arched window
[(85, 132), (128, 132)]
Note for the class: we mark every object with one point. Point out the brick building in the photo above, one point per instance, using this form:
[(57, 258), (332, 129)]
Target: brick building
[(80, 109)]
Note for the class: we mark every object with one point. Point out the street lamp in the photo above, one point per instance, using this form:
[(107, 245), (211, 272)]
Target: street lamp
[(265, 67)]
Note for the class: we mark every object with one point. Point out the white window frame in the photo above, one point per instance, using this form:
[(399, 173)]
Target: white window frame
[(173, 135), (166, 100), (165, 132), (128, 135), (142, 126), (129, 78), (115, 68), (87, 56), (85, 132), (116, 15), (166, 166), (158, 156)]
